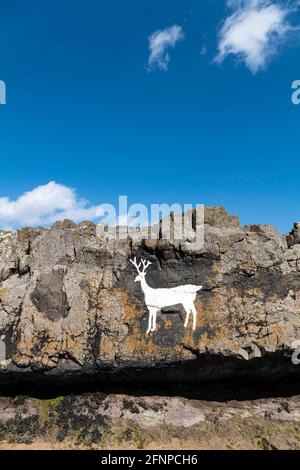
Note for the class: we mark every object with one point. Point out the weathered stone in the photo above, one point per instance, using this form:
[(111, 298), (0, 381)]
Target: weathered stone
[(70, 310), (117, 421), (294, 236)]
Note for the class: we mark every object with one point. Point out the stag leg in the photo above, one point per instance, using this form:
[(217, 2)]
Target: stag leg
[(149, 322), (152, 319), (194, 311), (154, 313), (187, 308)]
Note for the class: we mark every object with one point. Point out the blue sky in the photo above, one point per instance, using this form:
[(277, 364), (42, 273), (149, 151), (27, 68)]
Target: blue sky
[(86, 109)]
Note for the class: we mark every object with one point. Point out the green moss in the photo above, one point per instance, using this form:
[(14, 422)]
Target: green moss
[(263, 444), (285, 406), (45, 406), (294, 430), (131, 406)]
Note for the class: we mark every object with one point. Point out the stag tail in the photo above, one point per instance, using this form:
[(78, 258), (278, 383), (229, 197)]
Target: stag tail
[(188, 289)]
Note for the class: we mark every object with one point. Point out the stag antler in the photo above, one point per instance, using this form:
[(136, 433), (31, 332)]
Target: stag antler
[(137, 266), (145, 264)]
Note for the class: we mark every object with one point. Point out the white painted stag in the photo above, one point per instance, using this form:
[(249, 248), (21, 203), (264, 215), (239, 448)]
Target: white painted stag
[(156, 299)]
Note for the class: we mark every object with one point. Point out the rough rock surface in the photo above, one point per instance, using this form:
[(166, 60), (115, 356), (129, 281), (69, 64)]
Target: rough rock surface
[(98, 421), (70, 310)]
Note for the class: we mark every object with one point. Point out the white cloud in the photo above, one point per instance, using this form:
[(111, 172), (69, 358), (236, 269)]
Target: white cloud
[(159, 43), (254, 32), (203, 50), (44, 205)]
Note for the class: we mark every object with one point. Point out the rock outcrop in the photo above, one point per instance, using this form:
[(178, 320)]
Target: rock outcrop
[(70, 310), (116, 421)]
